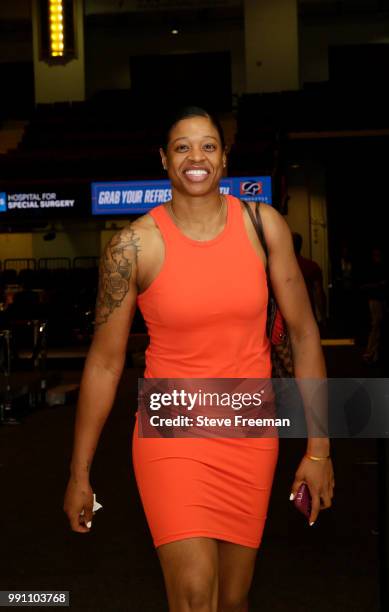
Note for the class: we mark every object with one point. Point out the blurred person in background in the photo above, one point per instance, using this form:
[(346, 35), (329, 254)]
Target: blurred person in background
[(313, 278), (346, 308), (375, 288)]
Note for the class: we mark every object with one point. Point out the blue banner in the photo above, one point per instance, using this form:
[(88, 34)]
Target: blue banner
[(136, 197), (62, 201), (3, 201)]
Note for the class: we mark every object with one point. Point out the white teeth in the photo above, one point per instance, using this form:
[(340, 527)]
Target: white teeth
[(196, 172)]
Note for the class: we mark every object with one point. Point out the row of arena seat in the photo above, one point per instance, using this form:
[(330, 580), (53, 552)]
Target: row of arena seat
[(49, 272), (64, 298), (84, 261), (49, 278), (112, 138), (105, 138), (64, 141), (51, 168), (317, 108), (94, 164), (49, 263)]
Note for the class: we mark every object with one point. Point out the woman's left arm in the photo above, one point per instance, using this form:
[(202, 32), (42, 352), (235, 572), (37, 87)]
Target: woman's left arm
[(293, 300)]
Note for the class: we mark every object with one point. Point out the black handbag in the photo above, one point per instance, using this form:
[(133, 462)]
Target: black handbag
[(276, 328)]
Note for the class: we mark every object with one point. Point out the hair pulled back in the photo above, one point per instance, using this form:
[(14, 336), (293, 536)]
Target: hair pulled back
[(188, 112)]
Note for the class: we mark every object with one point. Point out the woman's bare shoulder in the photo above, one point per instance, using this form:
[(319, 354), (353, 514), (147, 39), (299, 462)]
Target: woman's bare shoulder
[(142, 231), (275, 227), (267, 210), (146, 226), (144, 222)]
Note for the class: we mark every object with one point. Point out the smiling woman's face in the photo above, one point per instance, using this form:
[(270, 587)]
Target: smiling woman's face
[(194, 157)]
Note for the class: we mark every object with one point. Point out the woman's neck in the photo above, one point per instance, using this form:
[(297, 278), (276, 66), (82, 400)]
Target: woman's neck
[(197, 210)]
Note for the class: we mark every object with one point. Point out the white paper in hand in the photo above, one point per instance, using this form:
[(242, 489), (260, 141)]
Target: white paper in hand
[(96, 505)]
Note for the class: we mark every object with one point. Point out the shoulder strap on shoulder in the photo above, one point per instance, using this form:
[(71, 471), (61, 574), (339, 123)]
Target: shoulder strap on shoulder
[(257, 222)]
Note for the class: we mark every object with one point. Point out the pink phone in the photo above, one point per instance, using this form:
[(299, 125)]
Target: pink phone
[(303, 500)]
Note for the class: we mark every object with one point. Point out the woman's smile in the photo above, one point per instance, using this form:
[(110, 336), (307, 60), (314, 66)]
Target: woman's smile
[(196, 174)]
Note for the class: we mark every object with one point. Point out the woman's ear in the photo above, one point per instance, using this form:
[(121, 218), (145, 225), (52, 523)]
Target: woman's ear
[(163, 158)]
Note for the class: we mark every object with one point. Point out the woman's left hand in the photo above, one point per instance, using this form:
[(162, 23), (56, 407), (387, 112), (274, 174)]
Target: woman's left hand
[(319, 476)]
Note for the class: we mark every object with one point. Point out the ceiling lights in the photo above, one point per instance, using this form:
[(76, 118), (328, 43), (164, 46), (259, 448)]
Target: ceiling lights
[(56, 25)]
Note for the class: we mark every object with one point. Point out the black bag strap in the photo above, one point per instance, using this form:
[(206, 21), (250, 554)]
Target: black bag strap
[(272, 304), (257, 222)]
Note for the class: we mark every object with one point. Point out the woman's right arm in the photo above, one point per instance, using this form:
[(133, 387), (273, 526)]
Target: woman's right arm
[(115, 307)]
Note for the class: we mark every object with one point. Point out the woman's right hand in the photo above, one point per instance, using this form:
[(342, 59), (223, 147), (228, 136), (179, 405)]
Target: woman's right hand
[(78, 498)]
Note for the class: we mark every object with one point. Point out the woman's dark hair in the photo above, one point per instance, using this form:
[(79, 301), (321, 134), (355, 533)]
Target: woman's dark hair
[(186, 113)]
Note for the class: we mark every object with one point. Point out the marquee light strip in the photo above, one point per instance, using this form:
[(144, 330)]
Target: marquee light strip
[(56, 24)]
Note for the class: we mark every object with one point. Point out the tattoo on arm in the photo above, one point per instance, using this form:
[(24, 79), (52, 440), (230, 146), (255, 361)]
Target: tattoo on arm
[(116, 268)]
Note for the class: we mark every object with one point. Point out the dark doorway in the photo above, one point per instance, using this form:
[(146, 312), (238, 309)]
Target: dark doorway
[(17, 79), (202, 79), (359, 66)]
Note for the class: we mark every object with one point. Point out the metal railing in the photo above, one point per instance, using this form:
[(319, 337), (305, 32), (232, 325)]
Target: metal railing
[(54, 263), (20, 263)]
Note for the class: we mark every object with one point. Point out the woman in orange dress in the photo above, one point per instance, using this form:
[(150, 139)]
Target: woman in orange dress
[(197, 271)]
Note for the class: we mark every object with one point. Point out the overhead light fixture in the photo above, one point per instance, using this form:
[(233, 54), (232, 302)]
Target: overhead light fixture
[(57, 30), (56, 27), (174, 31)]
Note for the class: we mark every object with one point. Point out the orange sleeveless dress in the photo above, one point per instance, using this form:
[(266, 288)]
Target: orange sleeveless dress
[(206, 316)]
